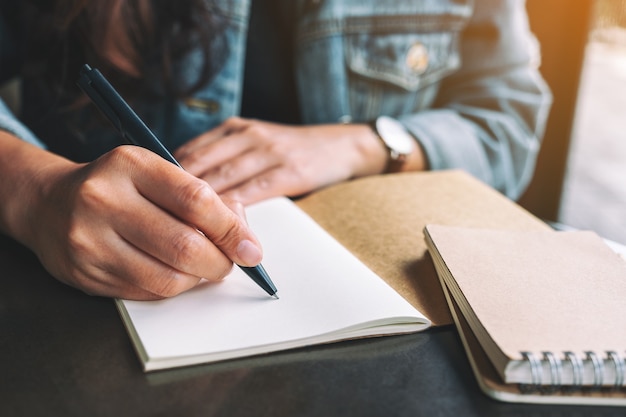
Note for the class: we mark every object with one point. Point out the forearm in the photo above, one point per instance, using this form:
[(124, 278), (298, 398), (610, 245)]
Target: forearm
[(25, 170)]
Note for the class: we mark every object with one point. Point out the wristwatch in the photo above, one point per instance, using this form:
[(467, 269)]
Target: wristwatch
[(396, 139)]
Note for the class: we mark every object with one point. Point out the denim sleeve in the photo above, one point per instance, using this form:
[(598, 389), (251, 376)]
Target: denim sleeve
[(489, 116), (9, 123)]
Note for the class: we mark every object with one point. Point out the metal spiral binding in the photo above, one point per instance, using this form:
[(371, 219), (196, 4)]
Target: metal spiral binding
[(620, 367), (577, 368), (598, 369), (536, 373), (556, 371)]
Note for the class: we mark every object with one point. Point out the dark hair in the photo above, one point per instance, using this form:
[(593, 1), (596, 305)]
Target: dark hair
[(132, 42)]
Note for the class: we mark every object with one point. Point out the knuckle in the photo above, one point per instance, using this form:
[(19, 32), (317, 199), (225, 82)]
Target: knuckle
[(226, 170), (222, 269), (235, 206), (197, 197), (233, 119), (132, 159), (93, 193), (233, 123), (257, 131), (193, 159), (263, 183), (276, 147), (77, 241), (230, 234), (132, 155), (170, 286), (187, 249)]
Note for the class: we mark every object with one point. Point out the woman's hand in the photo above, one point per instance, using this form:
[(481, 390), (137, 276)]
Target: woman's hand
[(127, 225), (250, 160)]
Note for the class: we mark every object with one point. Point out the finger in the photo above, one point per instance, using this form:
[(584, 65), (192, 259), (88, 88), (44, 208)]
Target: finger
[(115, 287), (229, 127), (271, 183), (137, 275), (150, 274), (121, 270), (201, 141), (240, 169), (216, 154), (173, 242), (194, 202), (236, 206)]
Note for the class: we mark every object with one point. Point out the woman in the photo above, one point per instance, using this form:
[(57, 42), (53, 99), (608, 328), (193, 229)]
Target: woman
[(276, 97)]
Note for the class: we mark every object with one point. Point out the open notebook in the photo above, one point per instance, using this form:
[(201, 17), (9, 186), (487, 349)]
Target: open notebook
[(379, 220), (326, 295), (541, 314)]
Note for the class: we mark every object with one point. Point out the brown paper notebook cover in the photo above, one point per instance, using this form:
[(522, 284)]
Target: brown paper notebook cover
[(536, 292), (380, 220), (491, 384)]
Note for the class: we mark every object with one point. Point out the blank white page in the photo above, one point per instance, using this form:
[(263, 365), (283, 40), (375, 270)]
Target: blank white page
[(326, 294)]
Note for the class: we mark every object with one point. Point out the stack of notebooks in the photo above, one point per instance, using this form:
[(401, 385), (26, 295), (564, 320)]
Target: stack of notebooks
[(542, 314)]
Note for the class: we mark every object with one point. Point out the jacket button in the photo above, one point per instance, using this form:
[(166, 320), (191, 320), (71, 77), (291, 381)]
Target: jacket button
[(417, 58)]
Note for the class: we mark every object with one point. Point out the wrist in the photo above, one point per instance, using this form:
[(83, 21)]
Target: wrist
[(372, 152), (402, 149), (27, 172)]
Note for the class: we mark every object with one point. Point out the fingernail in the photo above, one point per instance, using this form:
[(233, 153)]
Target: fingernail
[(249, 253)]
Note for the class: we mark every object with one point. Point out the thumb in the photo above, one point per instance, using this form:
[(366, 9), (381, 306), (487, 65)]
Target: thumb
[(248, 249)]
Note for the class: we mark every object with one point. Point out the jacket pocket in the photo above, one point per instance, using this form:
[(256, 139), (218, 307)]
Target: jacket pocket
[(406, 52)]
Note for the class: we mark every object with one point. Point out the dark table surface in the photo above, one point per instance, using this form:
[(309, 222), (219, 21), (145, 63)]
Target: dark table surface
[(64, 353)]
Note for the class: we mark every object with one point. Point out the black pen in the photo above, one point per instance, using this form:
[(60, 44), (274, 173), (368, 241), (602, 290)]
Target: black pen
[(135, 131)]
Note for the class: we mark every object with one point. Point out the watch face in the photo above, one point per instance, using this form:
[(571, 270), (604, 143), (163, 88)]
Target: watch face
[(394, 135)]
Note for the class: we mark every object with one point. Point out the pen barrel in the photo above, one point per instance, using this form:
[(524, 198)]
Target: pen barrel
[(120, 114), (137, 133)]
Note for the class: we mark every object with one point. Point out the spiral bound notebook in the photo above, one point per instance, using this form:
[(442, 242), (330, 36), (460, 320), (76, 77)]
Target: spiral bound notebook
[(541, 314)]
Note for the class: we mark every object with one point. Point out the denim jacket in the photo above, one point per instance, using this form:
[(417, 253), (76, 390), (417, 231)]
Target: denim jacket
[(461, 75)]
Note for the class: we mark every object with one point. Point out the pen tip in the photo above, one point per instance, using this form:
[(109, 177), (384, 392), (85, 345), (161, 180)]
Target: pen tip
[(275, 295)]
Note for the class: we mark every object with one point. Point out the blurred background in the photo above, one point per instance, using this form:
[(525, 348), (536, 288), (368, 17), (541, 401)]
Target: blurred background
[(580, 178), (594, 192)]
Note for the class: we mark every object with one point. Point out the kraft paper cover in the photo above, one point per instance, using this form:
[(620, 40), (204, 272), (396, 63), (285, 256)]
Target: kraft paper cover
[(380, 220)]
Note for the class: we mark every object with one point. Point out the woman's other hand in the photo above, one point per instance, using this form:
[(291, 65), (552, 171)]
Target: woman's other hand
[(250, 160)]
